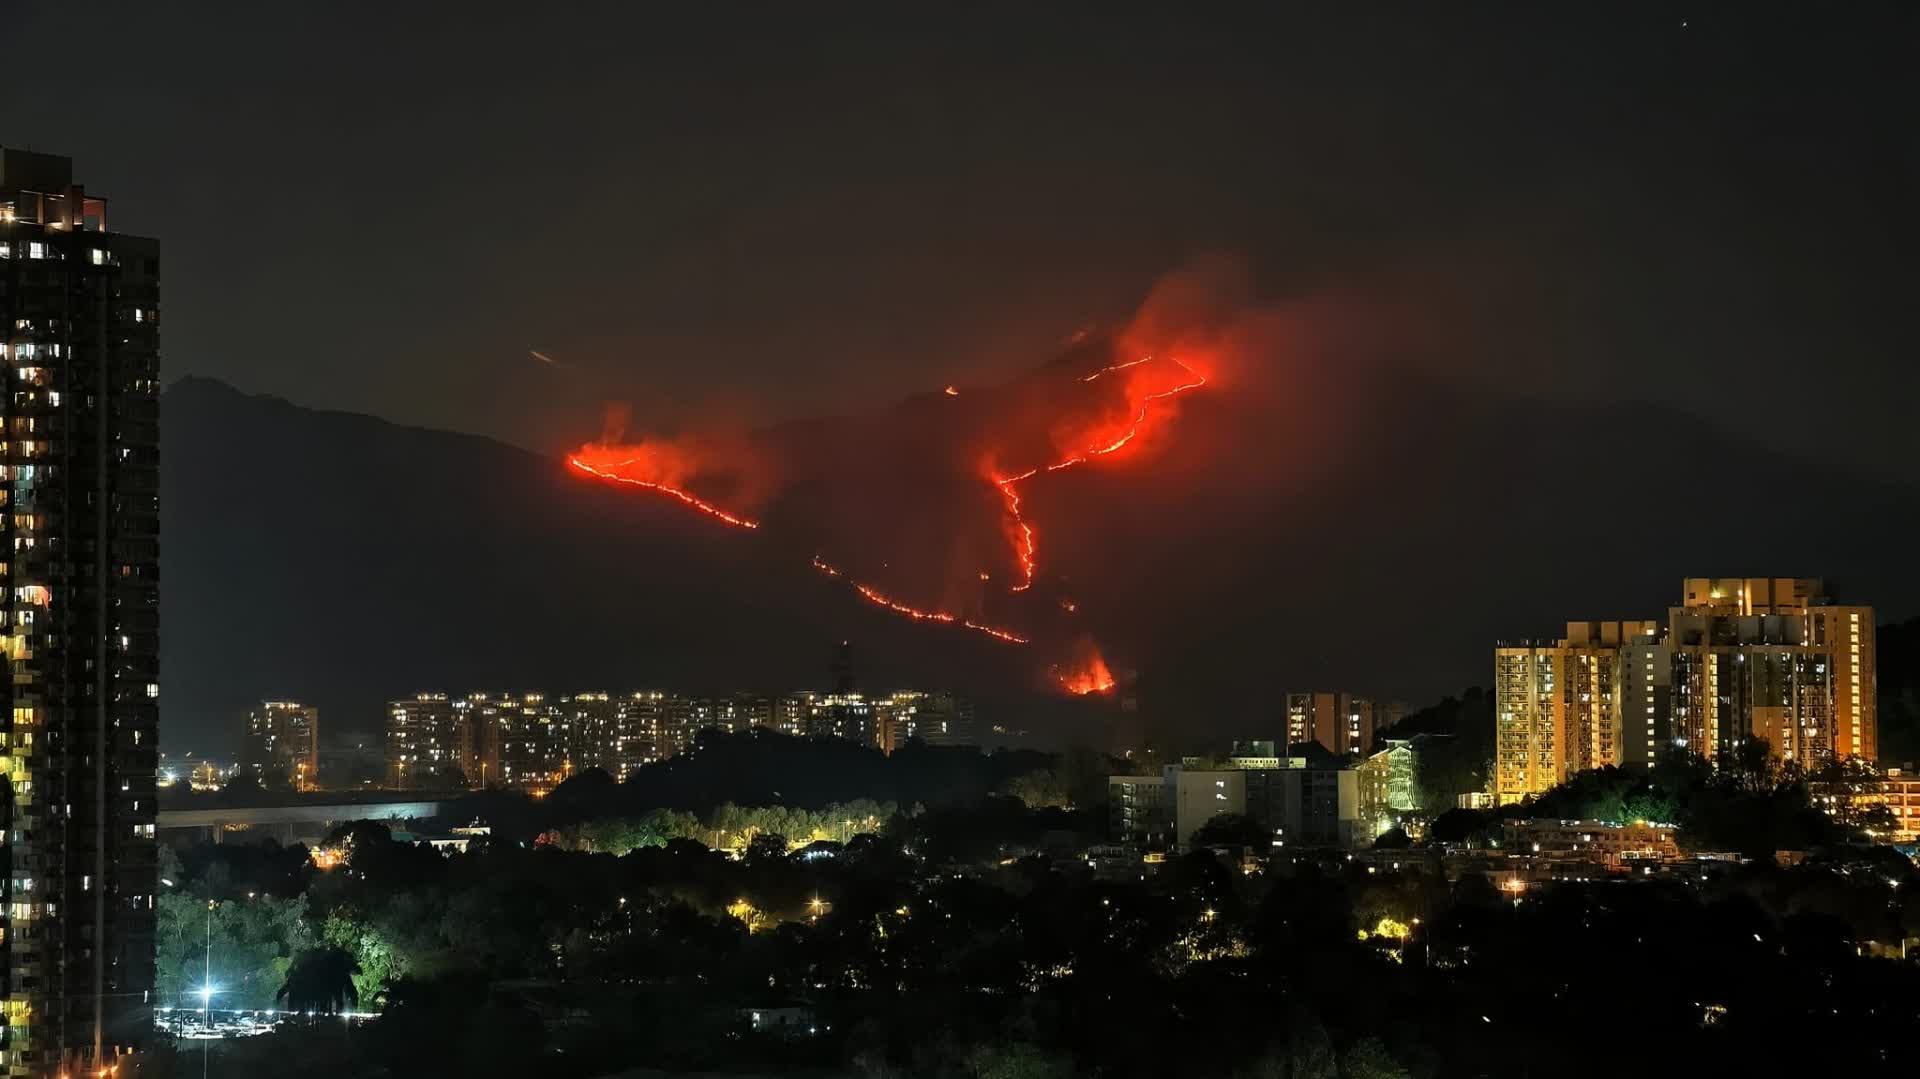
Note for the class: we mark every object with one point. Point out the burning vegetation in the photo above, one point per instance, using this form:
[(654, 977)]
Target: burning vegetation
[(1089, 407)]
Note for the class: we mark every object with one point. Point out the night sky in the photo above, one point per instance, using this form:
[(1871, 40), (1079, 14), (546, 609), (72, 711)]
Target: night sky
[(772, 213)]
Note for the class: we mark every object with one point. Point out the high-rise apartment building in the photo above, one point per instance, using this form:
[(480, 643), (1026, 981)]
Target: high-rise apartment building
[(1340, 722), (1773, 658), (427, 736), (937, 719), (1558, 708), (639, 732), (534, 742), (790, 712), (533, 746), (282, 744), (1738, 658), (592, 731), (843, 715), (79, 584)]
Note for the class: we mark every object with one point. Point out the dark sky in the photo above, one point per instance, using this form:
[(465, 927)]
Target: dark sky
[(775, 212)]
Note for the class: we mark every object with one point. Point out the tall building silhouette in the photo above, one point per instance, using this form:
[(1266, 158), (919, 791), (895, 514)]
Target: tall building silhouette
[(79, 478)]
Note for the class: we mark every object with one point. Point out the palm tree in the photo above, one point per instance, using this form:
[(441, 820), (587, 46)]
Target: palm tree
[(320, 981)]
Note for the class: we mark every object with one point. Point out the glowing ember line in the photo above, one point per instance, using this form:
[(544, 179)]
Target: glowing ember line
[(881, 599), (699, 504), (1027, 551), (1118, 367)]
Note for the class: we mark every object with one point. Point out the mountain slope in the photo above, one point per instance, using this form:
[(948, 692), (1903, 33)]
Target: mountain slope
[(345, 560), (1378, 533)]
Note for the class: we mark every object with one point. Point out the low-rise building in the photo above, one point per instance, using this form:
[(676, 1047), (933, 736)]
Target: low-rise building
[(1602, 842), (1298, 805), (1388, 788), (1899, 791)]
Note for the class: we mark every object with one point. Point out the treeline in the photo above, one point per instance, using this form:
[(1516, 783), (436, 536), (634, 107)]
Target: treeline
[(1749, 803), (565, 963), (730, 826), (763, 768)]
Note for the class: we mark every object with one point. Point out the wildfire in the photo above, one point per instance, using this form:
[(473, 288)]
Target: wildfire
[(664, 467), (1116, 367), (1091, 676), (1026, 548), (881, 599), (611, 473)]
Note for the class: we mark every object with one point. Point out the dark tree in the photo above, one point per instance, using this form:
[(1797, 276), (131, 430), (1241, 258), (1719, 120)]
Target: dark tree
[(1232, 830), (320, 982)]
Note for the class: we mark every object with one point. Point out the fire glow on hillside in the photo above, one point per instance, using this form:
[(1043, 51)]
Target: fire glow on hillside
[(1119, 404), (1100, 440)]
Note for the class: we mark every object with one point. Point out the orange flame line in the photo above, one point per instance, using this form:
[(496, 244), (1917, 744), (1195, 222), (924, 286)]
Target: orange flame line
[(1117, 367), (699, 504), (881, 599), (1028, 550)]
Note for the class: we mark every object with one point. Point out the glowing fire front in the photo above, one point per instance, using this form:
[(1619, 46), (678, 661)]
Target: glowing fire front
[(622, 465), (1101, 439), (1115, 410), (1090, 676), (880, 599)]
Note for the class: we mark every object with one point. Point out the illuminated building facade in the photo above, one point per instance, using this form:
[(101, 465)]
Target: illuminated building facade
[(533, 745), (1899, 791), (1738, 658), (534, 742), (639, 732), (843, 715), (791, 712), (896, 718), (1388, 787), (1342, 723), (592, 730), (1606, 842), (1773, 658), (282, 744), (79, 480), (427, 735), (1559, 708)]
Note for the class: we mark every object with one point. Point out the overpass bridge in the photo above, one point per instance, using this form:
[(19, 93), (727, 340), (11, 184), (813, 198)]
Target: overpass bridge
[(287, 823)]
